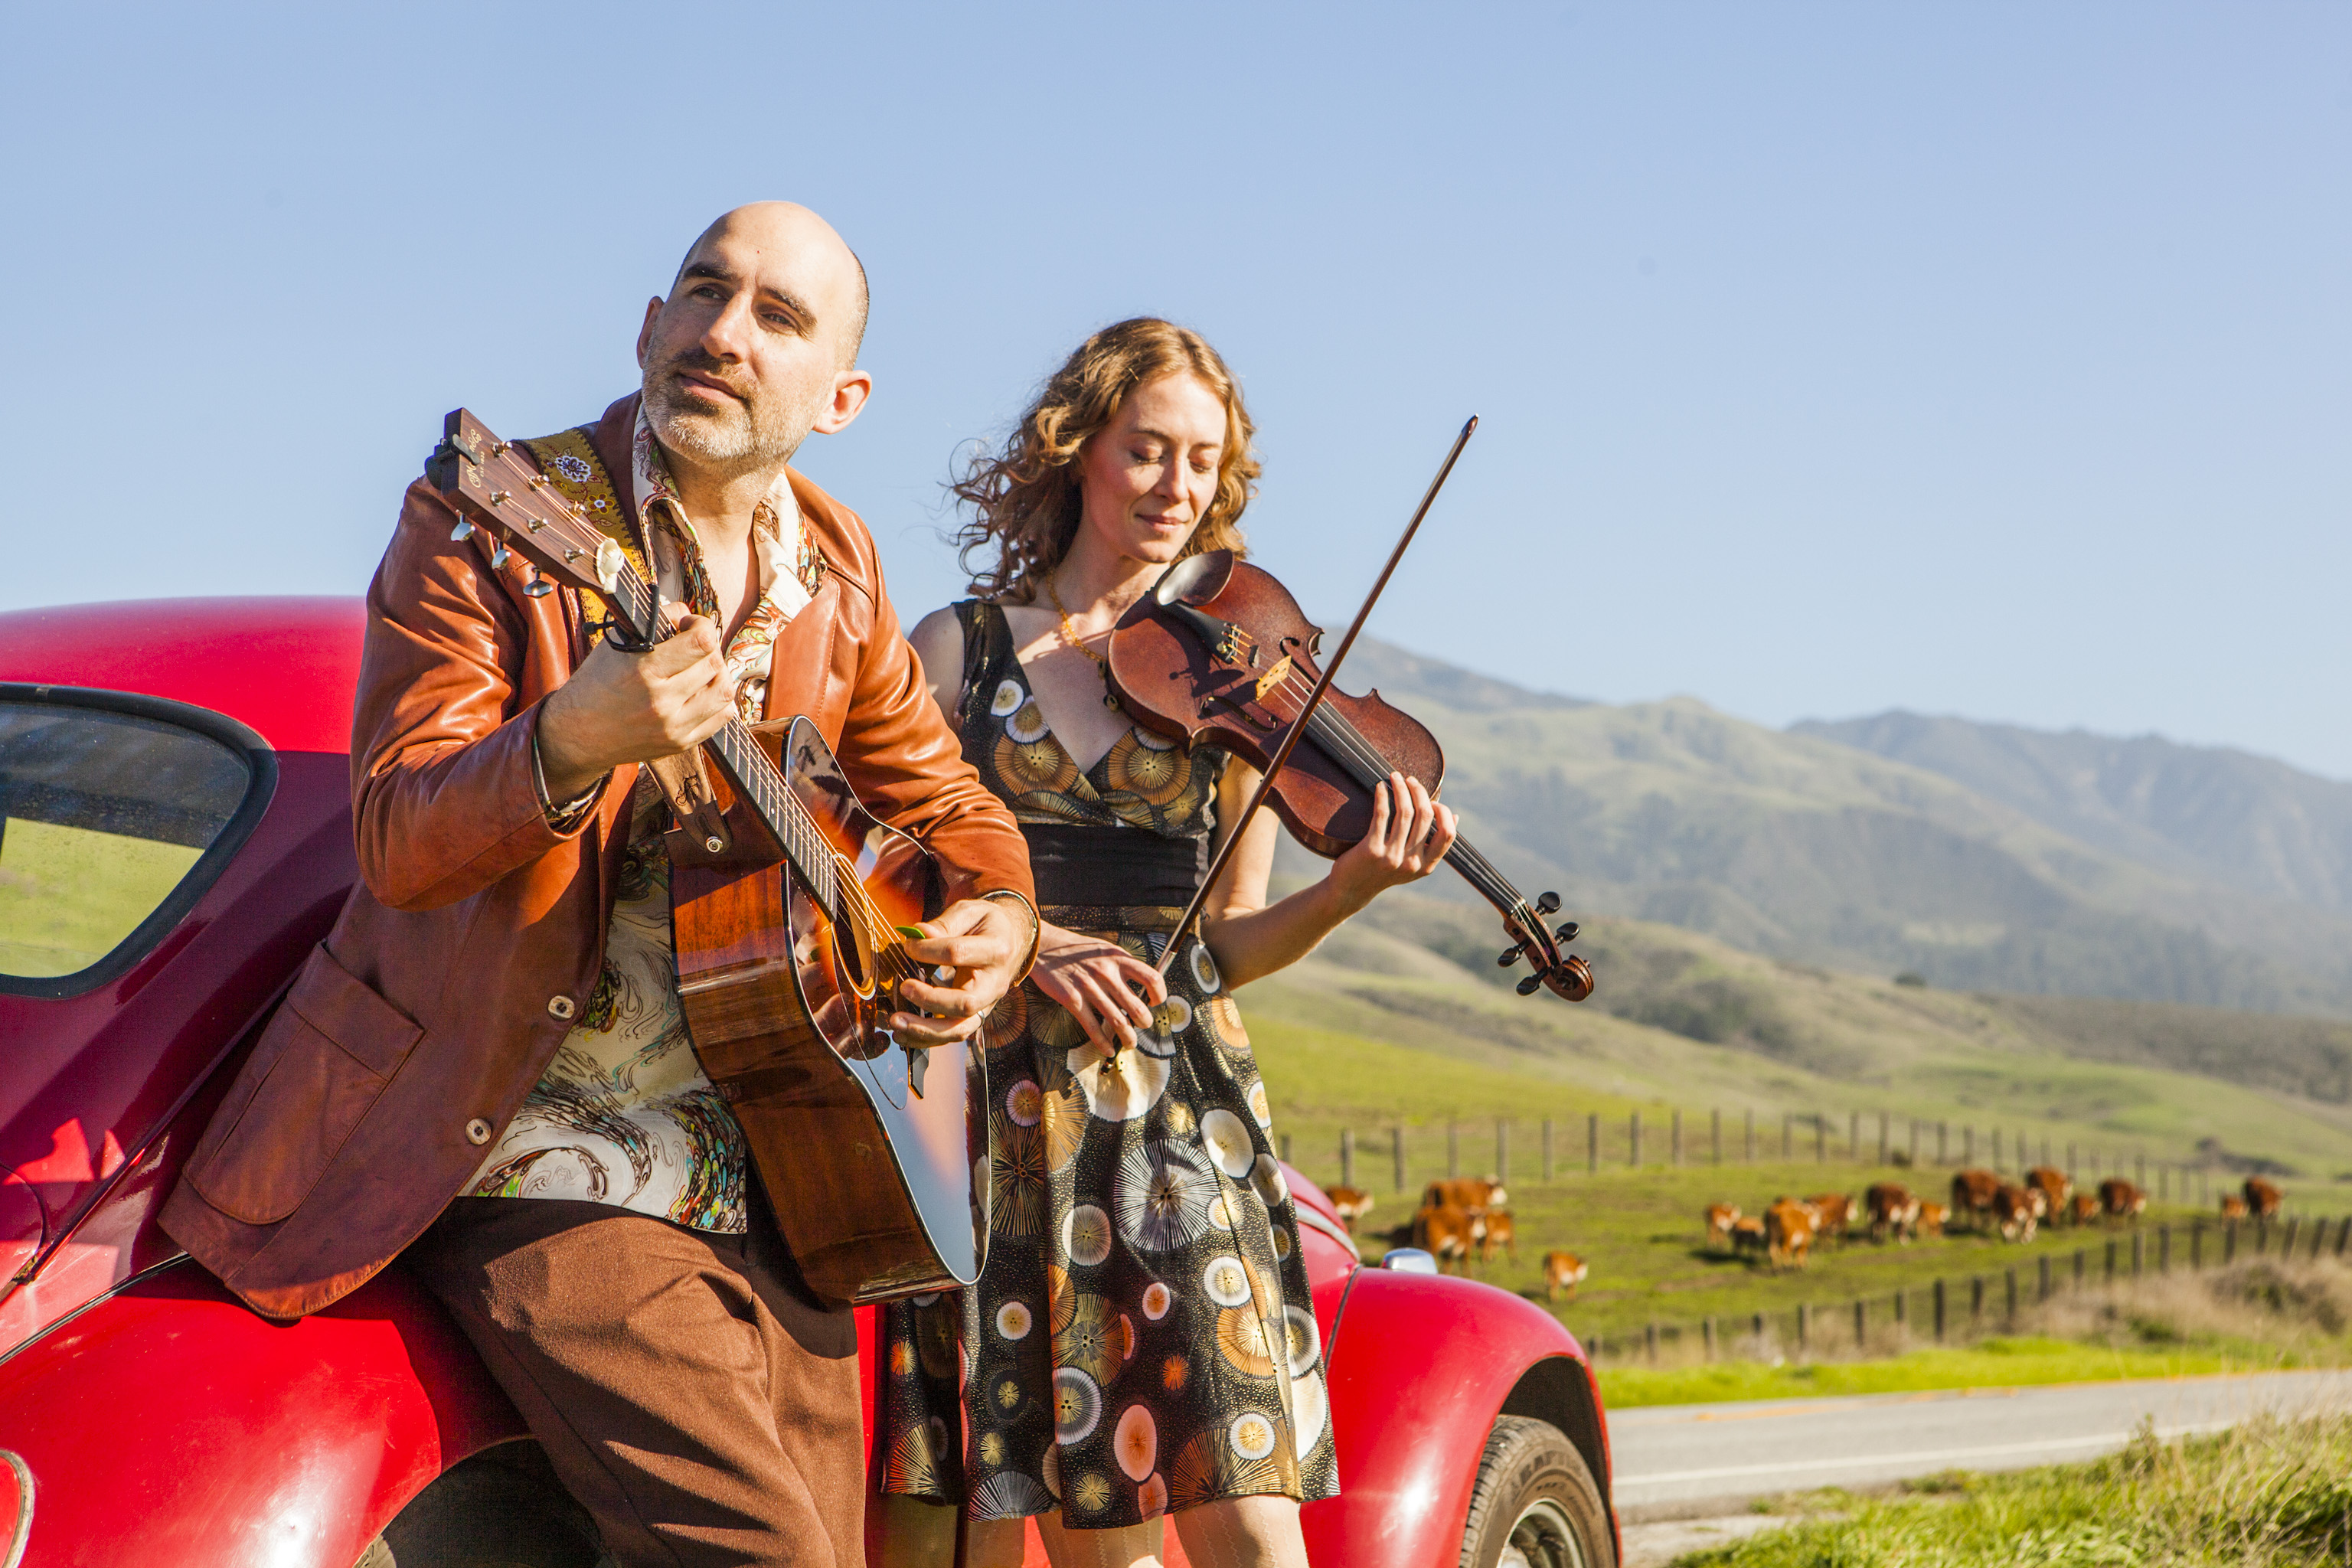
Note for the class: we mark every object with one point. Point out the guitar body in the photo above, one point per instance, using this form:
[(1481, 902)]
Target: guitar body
[(871, 1182)]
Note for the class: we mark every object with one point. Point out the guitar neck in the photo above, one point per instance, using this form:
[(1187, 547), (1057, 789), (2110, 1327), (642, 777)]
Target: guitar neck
[(747, 767)]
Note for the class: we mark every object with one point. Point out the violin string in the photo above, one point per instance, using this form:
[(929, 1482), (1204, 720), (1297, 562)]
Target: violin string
[(1353, 746)]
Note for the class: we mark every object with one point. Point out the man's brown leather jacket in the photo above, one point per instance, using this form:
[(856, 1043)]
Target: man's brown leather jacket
[(414, 1032)]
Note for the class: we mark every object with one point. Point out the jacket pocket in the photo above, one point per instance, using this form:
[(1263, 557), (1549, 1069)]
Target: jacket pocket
[(317, 1068)]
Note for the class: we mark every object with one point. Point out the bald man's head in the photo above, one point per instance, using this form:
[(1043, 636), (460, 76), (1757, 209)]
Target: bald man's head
[(757, 345), (791, 223)]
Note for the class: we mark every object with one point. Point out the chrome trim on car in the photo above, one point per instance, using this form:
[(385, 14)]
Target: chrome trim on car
[(1308, 1216)]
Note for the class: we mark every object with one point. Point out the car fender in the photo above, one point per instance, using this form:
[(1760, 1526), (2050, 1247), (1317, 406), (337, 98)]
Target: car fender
[(168, 1423), (1419, 1367)]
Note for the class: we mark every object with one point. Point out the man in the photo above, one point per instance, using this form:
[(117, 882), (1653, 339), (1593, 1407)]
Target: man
[(490, 1043)]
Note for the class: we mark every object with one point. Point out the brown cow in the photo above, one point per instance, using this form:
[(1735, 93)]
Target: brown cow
[(1832, 1212), (1720, 1218), (2262, 1198), (1448, 1235), (1972, 1193), (1562, 1270), (1473, 1194), (1500, 1232), (1350, 1203), (2012, 1211), (1748, 1235), (2120, 1199), (2082, 1208), (1788, 1234), (2056, 1189), (1892, 1209), (1931, 1219), (2232, 1206)]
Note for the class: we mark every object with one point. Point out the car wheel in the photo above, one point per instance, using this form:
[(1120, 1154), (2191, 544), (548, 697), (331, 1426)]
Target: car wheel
[(1535, 1505), (495, 1510)]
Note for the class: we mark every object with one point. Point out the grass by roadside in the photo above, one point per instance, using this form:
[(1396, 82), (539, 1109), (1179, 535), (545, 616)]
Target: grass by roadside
[(2266, 1494), (1995, 1363)]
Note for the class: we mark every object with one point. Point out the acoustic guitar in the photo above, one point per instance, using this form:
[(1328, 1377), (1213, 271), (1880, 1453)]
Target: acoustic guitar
[(789, 903)]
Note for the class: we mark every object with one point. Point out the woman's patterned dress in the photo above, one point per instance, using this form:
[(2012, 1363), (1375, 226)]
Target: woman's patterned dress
[(1142, 1339)]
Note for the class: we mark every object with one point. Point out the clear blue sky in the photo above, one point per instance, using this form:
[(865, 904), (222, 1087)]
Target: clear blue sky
[(1992, 359)]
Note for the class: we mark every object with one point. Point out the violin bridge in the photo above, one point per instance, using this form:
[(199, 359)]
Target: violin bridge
[(1273, 678)]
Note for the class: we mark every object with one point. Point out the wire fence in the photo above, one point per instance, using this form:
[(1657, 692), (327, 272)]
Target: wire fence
[(1963, 1307), (1402, 1155)]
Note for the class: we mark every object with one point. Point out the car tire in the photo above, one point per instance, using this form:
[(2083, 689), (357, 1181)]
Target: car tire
[(1534, 1504), (491, 1511)]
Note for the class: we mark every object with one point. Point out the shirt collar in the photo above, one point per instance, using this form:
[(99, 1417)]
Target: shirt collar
[(775, 530)]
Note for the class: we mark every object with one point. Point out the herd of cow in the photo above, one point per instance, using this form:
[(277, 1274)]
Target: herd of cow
[(1784, 1233), (1463, 1222)]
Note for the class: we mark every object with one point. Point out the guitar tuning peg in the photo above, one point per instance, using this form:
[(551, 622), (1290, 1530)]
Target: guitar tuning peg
[(1566, 933), (1510, 956), (1530, 985), (462, 531), (1547, 903), (539, 588), (501, 555)]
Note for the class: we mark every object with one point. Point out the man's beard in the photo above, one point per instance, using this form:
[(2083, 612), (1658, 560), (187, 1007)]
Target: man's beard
[(742, 436)]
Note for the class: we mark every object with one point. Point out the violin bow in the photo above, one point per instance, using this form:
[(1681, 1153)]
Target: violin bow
[(1314, 698)]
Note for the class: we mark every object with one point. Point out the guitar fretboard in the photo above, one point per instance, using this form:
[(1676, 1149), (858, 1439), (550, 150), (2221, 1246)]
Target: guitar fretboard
[(754, 777)]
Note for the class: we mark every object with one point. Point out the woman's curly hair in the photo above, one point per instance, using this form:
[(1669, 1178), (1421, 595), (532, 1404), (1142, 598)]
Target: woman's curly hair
[(1025, 500)]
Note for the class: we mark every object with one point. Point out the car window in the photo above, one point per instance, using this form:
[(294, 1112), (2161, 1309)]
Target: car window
[(102, 816)]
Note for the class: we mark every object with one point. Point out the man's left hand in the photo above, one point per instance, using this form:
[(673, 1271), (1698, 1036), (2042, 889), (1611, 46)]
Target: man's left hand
[(983, 942)]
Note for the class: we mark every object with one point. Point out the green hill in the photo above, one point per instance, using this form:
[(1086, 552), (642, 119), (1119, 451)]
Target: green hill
[(1821, 853)]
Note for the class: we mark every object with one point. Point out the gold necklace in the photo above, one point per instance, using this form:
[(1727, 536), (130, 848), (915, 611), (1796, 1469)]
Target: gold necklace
[(1070, 636)]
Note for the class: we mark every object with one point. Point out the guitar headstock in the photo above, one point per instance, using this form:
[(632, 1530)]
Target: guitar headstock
[(495, 488)]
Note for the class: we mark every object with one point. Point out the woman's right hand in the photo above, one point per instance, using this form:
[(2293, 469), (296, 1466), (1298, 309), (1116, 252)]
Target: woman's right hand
[(1109, 991)]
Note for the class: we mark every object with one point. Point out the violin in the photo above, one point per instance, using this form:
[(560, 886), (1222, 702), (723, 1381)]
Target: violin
[(1220, 652)]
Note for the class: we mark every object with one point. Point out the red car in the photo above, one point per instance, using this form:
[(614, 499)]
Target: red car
[(176, 835)]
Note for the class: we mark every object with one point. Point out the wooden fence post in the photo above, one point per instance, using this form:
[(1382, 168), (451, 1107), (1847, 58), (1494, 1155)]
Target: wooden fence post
[(1756, 1328), (2163, 1181), (1975, 1298), (1821, 1139), (1996, 1148), (1502, 1150), (2164, 1249), (2082, 1257), (1914, 1143), (2139, 1249), (1592, 1143), (1715, 1132), (1650, 1342), (1882, 1138), (1861, 1323), (1633, 1153), (1939, 1309), (1346, 1156), (2343, 1234), (2042, 1283), (1707, 1333), (2197, 1244), (2111, 1259), (1943, 1140), (1396, 1153), (2012, 1319), (1788, 1134), (1804, 1327), (1903, 1313), (1969, 1144), (1854, 1136)]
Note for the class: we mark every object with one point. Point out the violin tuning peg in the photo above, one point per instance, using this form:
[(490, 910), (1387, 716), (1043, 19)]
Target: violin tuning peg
[(1547, 903), (1566, 933), (1530, 985), (462, 531), (1510, 956)]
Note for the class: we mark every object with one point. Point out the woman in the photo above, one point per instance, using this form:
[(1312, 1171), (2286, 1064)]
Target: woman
[(1141, 1342)]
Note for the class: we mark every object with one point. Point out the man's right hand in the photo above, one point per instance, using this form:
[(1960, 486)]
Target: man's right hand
[(623, 707)]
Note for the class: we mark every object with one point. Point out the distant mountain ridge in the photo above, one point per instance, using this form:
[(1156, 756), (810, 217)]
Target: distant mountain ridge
[(1811, 848), (2249, 821)]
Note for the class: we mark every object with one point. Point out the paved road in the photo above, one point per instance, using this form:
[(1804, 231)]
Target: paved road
[(1674, 1458)]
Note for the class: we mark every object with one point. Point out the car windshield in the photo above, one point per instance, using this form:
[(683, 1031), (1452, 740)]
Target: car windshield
[(102, 815)]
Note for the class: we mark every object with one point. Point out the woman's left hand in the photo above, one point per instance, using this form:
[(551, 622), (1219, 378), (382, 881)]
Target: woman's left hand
[(1409, 834)]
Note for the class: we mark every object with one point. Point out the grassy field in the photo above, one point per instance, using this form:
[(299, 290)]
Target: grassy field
[(2266, 1494), (1997, 1363)]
